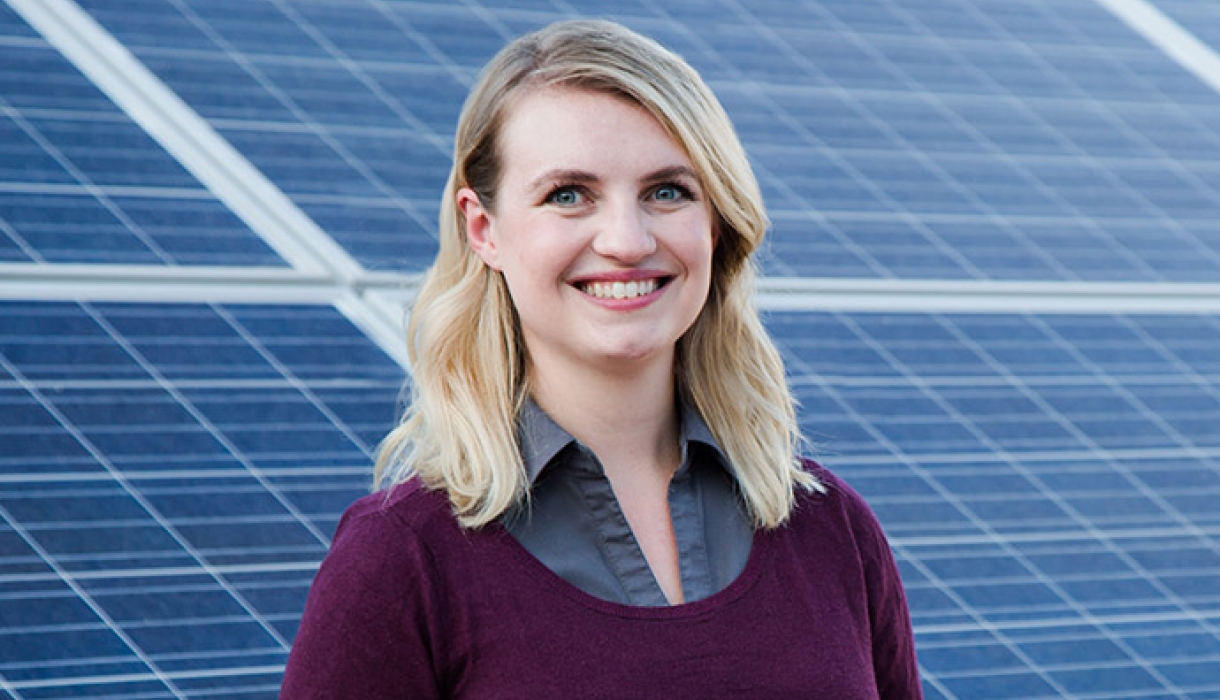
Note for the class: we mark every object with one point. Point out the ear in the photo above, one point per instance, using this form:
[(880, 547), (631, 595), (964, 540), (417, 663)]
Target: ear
[(478, 227)]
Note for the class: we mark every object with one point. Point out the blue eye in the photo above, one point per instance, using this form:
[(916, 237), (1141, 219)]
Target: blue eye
[(670, 193), (564, 196)]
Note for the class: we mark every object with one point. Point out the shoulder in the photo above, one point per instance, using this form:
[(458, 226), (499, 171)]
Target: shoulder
[(407, 505), (837, 506), (834, 491), (361, 631), (386, 536)]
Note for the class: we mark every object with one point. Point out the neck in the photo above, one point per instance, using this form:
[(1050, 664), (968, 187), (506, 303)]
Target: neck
[(630, 421)]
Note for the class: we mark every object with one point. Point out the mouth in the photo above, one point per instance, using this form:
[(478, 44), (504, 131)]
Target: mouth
[(622, 290)]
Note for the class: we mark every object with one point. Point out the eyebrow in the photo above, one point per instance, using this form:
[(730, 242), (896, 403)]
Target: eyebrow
[(673, 172), (582, 177), (578, 177)]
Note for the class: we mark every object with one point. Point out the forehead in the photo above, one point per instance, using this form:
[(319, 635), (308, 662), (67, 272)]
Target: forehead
[(575, 128)]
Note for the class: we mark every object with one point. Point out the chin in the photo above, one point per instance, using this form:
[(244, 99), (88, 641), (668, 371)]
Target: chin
[(637, 353)]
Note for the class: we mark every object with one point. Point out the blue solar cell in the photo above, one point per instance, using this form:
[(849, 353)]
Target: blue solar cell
[(837, 60), (112, 153), (34, 76), (871, 17), (69, 153), (216, 86), (259, 27), (199, 539), (830, 119), (366, 31), (25, 159)]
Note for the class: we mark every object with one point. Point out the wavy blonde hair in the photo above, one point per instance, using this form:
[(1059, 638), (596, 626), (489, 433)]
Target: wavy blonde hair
[(458, 433)]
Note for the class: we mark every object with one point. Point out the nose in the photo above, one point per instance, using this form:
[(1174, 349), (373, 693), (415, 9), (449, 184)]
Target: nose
[(624, 232)]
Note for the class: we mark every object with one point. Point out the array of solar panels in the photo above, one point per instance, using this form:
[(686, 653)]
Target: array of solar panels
[(170, 473)]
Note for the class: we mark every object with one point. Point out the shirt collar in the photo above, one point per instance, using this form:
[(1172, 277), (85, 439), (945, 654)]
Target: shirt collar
[(541, 439)]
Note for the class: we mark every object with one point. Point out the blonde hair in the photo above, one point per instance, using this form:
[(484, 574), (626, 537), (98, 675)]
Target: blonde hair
[(458, 433)]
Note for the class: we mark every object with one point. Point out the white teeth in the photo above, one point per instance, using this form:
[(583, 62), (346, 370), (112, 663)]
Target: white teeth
[(619, 290)]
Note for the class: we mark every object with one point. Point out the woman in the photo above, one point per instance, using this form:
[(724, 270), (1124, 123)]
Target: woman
[(594, 491)]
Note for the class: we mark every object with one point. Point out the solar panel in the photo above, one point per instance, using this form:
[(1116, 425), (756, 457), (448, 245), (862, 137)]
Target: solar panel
[(171, 469), (81, 182), (1048, 482), (170, 480), (343, 135), (1202, 18)]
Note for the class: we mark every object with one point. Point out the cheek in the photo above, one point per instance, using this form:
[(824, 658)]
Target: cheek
[(536, 261), (698, 247)]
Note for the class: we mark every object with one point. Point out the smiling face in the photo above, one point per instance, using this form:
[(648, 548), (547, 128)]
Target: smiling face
[(600, 228)]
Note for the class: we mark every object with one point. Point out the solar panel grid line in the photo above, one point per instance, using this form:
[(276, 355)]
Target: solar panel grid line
[(309, 566), (1185, 523), (86, 183), (949, 115), (1162, 157), (22, 244), (119, 478), (1048, 127), (978, 217), (317, 129), (384, 324), (8, 688), (1070, 146), (1035, 457), (1050, 625), (314, 554), (160, 285), (1186, 445), (1082, 43), (933, 166), (287, 377), (385, 10), (1014, 461), (1043, 188), (400, 110), (1131, 533), (1167, 35), (189, 138), (1209, 388), (304, 389), (68, 579), (984, 296), (78, 682), (502, 29), (110, 191), (172, 473)]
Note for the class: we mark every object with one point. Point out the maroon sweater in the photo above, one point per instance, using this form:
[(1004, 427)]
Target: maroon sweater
[(409, 605)]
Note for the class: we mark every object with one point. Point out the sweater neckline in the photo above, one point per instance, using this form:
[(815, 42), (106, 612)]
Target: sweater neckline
[(760, 551)]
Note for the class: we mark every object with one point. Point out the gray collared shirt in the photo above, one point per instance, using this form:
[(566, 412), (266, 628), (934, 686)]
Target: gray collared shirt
[(573, 524)]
